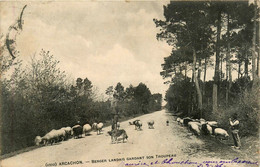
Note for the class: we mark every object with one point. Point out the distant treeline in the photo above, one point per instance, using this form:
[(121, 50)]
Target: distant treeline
[(219, 36), (38, 98)]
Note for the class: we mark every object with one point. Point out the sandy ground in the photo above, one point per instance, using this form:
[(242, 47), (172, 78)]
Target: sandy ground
[(144, 147)]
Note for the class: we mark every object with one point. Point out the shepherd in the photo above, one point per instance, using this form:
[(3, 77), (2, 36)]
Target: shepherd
[(235, 129)]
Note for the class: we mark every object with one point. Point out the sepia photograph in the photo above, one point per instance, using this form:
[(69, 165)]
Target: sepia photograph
[(128, 83)]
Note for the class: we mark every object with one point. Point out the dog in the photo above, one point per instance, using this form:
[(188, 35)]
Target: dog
[(115, 134)]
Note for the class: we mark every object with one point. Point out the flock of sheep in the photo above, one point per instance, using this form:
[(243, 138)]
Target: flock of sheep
[(65, 133), (201, 126), (138, 124), (196, 126)]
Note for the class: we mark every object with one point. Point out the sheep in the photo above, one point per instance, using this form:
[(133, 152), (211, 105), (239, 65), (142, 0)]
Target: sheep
[(212, 123), (178, 120), (73, 127), (202, 121), (117, 133), (186, 121), (135, 122), (86, 129), (77, 131), (94, 126), (50, 137), (138, 124), (206, 129), (196, 120), (221, 133), (37, 140), (194, 127), (68, 131), (54, 135), (99, 127), (181, 122), (61, 134), (150, 124)]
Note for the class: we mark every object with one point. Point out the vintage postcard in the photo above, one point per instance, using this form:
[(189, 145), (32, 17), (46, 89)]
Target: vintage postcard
[(129, 83)]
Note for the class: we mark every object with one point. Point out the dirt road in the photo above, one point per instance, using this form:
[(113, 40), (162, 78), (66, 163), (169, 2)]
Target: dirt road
[(143, 147)]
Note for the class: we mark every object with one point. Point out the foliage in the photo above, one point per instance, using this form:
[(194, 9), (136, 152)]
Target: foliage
[(134, 100), (37, 98), (197, 31)]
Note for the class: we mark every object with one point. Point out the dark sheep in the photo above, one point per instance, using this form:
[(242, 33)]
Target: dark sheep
[(77, 131), (138, 124), (150, 124), (186, 121)]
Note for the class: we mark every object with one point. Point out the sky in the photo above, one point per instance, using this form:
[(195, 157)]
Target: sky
[(107, 42)]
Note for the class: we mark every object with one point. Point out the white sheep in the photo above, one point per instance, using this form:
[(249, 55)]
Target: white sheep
[(99, 127), (50, 137), (94, 126), (221, 133), (196, 120), (212, 123), (178, 120), (68, 131), (209, 128), (86, 129), (181, 122), (202, 121), (194, 127), (61, 134), (37, 140)]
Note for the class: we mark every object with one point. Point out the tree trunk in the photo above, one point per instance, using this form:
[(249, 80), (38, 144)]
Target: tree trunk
[(204, 78), (175, 69), (228, 64), (180, 67), (254, 48), (230, 73), (214, 98), (246, 62), (239, 70), (205, 70), (185, 70), (196, 81), (190, 102), (199, 70), (258, 57), (216, 75), (221, 68)]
